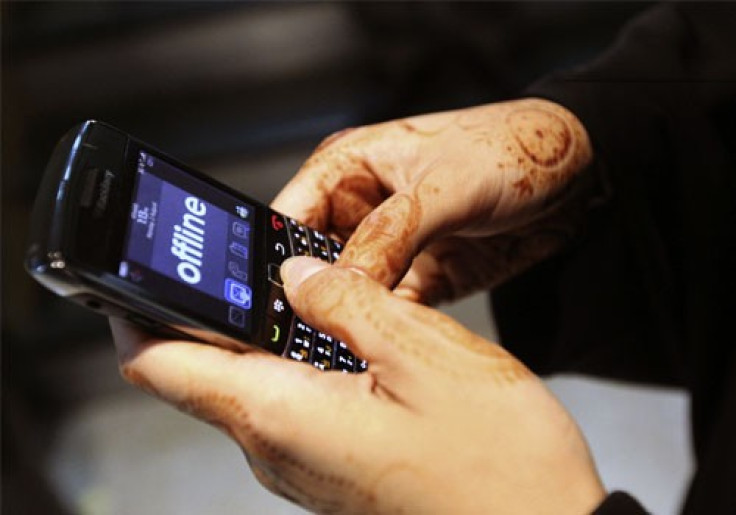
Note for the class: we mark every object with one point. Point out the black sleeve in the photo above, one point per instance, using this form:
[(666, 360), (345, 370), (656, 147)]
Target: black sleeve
[(622, 300), (620, 503)]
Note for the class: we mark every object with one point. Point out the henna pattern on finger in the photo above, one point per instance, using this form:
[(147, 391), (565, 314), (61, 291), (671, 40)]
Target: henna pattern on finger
[(480, 263), (381, 245), (354, 197), (409, 329), (457, 266), (416, 340), (133, 376), (336, 168), (349, 184), (490, 361)]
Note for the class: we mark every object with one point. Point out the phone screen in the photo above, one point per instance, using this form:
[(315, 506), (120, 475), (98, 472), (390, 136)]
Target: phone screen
[(189, 242)]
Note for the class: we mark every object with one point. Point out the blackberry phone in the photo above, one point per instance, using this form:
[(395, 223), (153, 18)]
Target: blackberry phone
[(125, 230)]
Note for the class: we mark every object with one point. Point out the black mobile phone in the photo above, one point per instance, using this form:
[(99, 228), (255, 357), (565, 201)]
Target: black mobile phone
[(125, 230)]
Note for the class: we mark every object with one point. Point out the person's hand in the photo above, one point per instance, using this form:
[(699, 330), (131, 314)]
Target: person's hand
[(442, 422), (478, 194)]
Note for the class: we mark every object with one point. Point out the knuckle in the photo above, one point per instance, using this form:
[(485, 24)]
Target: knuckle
[(338, 295), (334, 137)]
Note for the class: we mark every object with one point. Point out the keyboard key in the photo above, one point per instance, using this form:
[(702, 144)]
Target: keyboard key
[(298, 354), (344, 359), (298, 341), (335, 249), (320, 249), (324, 351), (298, 234), (278, 307), (300, 346), (277, 240)]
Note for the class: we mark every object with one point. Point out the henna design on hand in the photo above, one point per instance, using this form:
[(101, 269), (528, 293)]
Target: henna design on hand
[(546, 141), (456, 266), (134, 377), (543, 136), (489, 360), (289, 475), (425, 336), (397, 219), (350, 189)]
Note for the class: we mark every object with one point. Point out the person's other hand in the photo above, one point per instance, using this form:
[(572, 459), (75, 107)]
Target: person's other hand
[(474, 194), (442, 422)]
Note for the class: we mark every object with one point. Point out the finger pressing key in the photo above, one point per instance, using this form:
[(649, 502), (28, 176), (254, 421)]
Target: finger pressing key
[(352, 307)]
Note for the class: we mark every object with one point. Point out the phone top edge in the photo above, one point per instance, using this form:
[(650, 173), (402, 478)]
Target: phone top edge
[(44, 249), (46, 255)]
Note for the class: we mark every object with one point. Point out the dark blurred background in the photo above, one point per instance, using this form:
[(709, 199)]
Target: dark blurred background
[(241, 90)]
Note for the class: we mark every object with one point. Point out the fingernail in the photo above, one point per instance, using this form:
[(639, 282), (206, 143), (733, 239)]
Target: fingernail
[(295, 270)]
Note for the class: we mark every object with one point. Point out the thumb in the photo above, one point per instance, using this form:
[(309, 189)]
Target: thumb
[(351, 307)]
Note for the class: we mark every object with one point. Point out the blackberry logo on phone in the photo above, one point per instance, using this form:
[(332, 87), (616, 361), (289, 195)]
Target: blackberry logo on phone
[(103, 195)]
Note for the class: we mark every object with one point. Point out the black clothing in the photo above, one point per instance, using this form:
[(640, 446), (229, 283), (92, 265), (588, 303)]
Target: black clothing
[(619, 503), (647, 293)]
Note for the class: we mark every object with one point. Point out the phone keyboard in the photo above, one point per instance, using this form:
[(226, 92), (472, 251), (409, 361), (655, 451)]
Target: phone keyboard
[(290, 336)]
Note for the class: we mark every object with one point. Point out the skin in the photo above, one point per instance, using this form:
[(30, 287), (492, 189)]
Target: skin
[(443, 421), (448, 203)]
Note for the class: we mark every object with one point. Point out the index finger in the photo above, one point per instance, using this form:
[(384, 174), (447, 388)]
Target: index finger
[(335, 188)]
